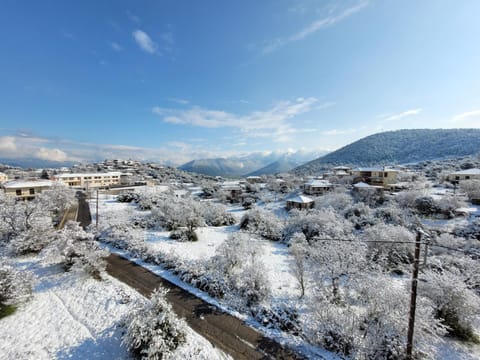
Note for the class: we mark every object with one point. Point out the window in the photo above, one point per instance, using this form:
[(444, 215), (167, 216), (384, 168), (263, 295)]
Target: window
[(467, 177), (31, 191), (457, 177), (385, 174), (18, 192)]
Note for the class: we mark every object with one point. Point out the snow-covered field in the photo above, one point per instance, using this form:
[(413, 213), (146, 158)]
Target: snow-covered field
[(76, 317), (275, 256)]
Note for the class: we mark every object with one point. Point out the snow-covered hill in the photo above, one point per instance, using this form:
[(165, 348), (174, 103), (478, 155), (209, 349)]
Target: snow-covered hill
[(400, 147)]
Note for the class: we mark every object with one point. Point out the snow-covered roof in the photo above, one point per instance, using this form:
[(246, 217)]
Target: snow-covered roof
[(21, 184), (362, 185), (341, 168), (319, 183), (467, 172), (379, 169), (341, 172), (112, 173), (302, 199)]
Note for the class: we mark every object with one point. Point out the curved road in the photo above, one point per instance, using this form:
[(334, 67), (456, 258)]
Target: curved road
[(221, 329)]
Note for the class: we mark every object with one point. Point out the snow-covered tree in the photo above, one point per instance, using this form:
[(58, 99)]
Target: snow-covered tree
[(153, 331), (57, 200), (336, 265), (389, 245), (263, 223), (15, 285), (338, 200), (455, 305), (471, 188), (324, 223), (25, 225), (76, 250), (300, 250)]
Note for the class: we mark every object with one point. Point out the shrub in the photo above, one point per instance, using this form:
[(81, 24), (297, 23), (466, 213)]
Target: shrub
[(15, 287), (152, 329), (183, 235)]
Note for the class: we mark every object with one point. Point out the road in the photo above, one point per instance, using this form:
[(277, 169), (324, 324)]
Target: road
[(223, 330)]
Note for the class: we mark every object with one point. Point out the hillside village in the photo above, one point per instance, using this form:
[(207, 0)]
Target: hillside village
[(293, 256)]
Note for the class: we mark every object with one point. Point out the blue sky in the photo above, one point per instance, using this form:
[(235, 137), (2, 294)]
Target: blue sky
[(175, 80)]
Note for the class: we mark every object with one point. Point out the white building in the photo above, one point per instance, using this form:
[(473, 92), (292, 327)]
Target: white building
[(470, 174), (26, 189), (90, 180)]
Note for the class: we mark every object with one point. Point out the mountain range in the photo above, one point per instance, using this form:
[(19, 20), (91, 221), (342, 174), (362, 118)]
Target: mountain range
[(399, 147), (258, 163)]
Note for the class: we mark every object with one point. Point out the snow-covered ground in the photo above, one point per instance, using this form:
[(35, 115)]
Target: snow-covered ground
[(76, 317), (275, 256)]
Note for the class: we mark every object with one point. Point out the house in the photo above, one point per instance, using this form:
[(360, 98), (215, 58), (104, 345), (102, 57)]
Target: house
[(317, 187), (341, 171), (300, 202), (254, 179), (232, 189), (470, 174), (361, 186), (375, 176), (26, 189), (90, 180), (3, 177)]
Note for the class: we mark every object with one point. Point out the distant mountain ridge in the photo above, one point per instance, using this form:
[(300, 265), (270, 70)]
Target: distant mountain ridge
[(252, 164), (399, 147)]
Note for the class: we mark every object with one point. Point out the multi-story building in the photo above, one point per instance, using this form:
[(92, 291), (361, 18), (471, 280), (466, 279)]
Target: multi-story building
[(375, 176), (90, 180)]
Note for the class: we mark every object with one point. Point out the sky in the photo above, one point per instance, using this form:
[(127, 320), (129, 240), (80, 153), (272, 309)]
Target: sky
[(173, 80)]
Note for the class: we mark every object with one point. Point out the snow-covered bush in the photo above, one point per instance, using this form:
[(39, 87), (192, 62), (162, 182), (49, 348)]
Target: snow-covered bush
[(184, 235), (338, 200), (455, 305), (153, 331), (57, 200), (237, 262), (324, 223), (25, 225), (15, 286), (390, 245), (471, 188), (76, 250), (360, 215), (128, 197), (336, 264), (215, 214), (263, 223), (372, 323)]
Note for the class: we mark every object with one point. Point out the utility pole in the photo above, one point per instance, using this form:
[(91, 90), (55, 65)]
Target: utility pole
[(413, 297), (96, 217)]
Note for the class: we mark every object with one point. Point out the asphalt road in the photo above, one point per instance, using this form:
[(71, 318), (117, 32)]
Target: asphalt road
[(223, 330)]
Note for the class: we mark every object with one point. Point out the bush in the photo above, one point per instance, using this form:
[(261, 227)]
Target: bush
[(15, 287), (152, 329), (183, 235), (262, 223)]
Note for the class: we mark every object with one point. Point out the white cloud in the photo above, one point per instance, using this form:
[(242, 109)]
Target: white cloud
[(51, 154), (272, 122), (314, 27), (134, 18), (116, 46), (7, 144), (399, 116), (145, 42), (466, 118)]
